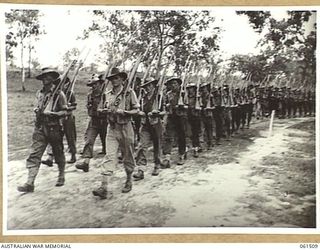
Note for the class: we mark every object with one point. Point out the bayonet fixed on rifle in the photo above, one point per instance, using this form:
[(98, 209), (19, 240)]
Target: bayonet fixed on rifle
[(75, 76), (161, 84)]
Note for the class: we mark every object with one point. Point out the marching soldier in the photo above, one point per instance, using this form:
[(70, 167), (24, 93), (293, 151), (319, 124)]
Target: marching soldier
[(207, 112), (194, 117), (97, 124), (218, 114), (289, 97), (50, 106), (69, 127), (283, 102), (151, 128), (235, 111), (120, 106), (69, 123), (137, 119), (176, 123), (249, 104), (226, 105)]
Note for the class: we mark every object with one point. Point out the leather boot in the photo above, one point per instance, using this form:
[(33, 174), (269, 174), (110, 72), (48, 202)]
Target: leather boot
[(181, 160), (128, 185), (29, 185), (83, 166), (166, 163), (139, 175), (48, 162), (195, 152), (156, 170), (73, 159), (102, 191), (60, 181)]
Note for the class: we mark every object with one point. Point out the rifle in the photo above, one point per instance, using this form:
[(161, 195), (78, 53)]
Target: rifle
[(210, 101), (145, 76), (74, 78), (105, 84), (129, 82), (160, 85), (183, 97), (63, 79), (197, 104)]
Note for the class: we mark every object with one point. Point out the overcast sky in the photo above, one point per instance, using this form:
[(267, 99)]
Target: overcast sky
[(63, 24)]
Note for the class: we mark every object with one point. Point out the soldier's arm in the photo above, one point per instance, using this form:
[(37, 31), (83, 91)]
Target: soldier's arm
[(134, 104), (62, 105), (72, 105)]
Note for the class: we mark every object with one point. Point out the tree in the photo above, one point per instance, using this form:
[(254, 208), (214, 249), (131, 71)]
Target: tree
[(10, 44), (286, 42), (69, 56), (180, 32), (25, 26)]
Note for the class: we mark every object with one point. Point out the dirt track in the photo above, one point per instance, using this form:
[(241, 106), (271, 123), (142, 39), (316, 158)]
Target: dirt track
[(252, 181)]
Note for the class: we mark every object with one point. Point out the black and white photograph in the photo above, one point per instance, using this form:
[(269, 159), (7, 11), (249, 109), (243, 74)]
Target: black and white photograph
[(130, 118)]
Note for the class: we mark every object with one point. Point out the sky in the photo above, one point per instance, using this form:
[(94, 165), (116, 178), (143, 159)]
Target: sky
[(63, 24)]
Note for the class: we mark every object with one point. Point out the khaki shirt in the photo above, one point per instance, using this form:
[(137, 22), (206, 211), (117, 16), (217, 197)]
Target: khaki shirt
[(44, 102), (113, 101)]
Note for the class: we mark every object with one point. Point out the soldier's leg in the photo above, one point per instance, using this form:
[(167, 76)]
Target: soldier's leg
[(55, 138), (227, 124), (141, 158), (294, 108), (39, 144), (126, 143), (69, 127), (102, 130), (208, 126), (233, 120), (180, 128), (156, 136), (136, 129), (49, 160), (195, 131), (168, 140), (109, 163), (250, 111), (91, 133), (242, 116), (218, 123)]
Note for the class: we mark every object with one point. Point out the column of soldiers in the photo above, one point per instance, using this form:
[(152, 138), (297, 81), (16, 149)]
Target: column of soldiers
[(164, 111)]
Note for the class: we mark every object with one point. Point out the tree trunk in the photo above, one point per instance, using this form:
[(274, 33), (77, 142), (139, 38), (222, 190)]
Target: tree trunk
[(29, 66), (22, 68)]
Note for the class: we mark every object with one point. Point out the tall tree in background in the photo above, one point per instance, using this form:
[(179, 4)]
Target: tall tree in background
[(183, 33), (10, 45), (25, 27), (286, 43)]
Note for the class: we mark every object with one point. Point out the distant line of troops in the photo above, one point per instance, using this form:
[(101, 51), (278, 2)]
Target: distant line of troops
[(127, 132)]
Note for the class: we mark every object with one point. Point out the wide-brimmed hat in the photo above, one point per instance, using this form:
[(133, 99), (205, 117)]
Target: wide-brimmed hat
[(204, 84), (94, 78), (191, 85), (149, 81), (48, 71), (177, 79), (117, 72)]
